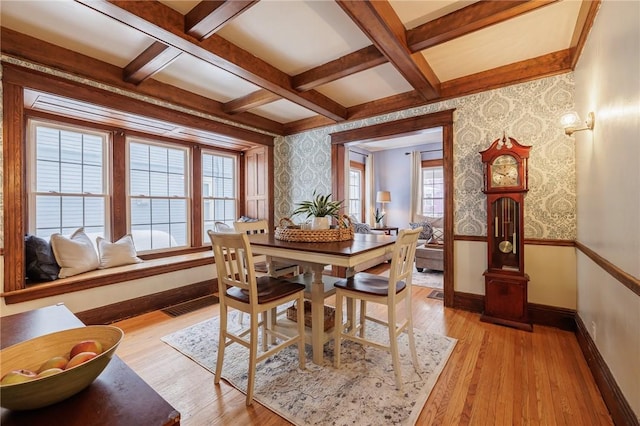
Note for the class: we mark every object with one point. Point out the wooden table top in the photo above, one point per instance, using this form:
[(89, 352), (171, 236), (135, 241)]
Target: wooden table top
[(360, 243), (117, 397)]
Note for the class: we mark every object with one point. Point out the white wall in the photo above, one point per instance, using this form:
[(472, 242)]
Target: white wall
[(607, 80)]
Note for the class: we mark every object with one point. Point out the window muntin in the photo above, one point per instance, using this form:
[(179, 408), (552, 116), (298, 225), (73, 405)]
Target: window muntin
[(67, 169), (355, 193), (158, 194), (219, 190), (433, 191)]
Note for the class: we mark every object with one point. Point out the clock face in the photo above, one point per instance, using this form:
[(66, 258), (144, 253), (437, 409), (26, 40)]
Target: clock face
[(504, 171)]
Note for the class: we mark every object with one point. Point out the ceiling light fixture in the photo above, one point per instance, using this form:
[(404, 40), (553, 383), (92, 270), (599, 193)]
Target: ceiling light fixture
[(571, 122)]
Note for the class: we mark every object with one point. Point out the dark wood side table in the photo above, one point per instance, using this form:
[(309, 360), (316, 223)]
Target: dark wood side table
[(387, 229), (118, 397)]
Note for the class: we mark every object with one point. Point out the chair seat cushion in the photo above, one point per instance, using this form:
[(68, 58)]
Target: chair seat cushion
[(269, 289), (368, 283)]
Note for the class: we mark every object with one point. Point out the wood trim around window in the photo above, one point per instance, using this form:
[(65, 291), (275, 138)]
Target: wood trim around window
[(15, 81), (14, 186)]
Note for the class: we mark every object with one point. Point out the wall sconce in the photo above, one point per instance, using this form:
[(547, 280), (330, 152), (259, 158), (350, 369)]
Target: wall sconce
[(383, 197), (571, 122)]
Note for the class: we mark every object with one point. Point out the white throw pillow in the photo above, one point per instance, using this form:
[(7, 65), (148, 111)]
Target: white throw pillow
[(122, 252), (75, 255)]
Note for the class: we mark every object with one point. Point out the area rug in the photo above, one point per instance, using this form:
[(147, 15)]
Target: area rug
[(427, 278), (361, 391)]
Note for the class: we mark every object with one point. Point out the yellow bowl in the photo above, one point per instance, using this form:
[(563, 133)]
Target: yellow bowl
[(30, 355)]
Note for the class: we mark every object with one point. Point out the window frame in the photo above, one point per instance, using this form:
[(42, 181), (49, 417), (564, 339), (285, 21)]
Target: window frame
[(188, 188), (22, 86), (360, 168), (32, 123), (236, 188), (432, 164)]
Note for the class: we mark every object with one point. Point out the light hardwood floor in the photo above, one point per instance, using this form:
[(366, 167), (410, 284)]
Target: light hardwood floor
[(496, 375)]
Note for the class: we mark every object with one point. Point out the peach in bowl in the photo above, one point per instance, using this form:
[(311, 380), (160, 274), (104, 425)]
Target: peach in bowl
[(50, 368)]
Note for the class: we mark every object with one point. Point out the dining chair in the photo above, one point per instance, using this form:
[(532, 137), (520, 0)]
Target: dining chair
[(280, 267), (239, 288), (385, 291)]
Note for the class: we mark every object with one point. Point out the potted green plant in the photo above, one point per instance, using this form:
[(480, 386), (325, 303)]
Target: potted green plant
[(378, 216), (321, 208)]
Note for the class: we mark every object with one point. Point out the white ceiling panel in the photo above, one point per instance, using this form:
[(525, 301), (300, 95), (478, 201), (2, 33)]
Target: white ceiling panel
[(204, 79), (375, 83), (76, 27), (295, 36), (283, 111), (413, 13), (512, 41)]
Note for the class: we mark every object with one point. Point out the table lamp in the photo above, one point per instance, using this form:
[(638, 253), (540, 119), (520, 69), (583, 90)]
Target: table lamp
[(383, 197)]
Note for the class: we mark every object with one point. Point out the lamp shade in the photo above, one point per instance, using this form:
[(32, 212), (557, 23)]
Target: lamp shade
[(570, 120), (383, 197)]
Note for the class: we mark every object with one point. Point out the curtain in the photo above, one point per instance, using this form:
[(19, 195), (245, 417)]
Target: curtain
[(415, 203), (370, 191)]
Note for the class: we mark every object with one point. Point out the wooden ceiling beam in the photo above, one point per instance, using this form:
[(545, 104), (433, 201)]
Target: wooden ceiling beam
[(252, 100), (382, 25), (153, 59), (471, 18), (360, 60), (519, 72), (586, 16), (531, 69), (456, 24), (49, 55), (167, 25), (207, 17)]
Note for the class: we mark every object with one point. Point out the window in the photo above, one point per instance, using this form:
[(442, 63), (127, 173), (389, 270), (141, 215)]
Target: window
[(433, 191), (67, 172), (356, 190), (158, 195), (219, 189)]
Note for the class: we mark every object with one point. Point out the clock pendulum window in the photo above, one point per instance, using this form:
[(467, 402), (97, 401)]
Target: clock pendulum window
[(505, 165)]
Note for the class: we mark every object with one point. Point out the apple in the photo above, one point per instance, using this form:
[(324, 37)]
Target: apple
[(86, 346), (17, 376), (80, 358), (49, 372), (55, 362)]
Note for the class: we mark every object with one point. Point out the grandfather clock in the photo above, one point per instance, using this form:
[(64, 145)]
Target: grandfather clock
[(505, 184)]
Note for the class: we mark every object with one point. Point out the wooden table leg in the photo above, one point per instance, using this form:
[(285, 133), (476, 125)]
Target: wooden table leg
[(317, 314), (351, 304), (271, 316)]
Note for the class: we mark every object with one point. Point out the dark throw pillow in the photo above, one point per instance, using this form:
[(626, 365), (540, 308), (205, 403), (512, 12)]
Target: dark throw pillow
[(40, 262)]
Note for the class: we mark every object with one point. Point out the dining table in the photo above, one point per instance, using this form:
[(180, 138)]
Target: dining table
[(118, 396), (314, 257)]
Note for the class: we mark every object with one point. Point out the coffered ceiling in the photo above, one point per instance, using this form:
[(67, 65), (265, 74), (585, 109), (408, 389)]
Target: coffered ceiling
[(285, 66)]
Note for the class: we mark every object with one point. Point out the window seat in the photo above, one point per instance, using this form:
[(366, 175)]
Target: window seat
[(101, 277)]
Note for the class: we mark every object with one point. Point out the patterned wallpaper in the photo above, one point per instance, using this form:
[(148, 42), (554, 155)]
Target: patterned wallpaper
[(529, 112)]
